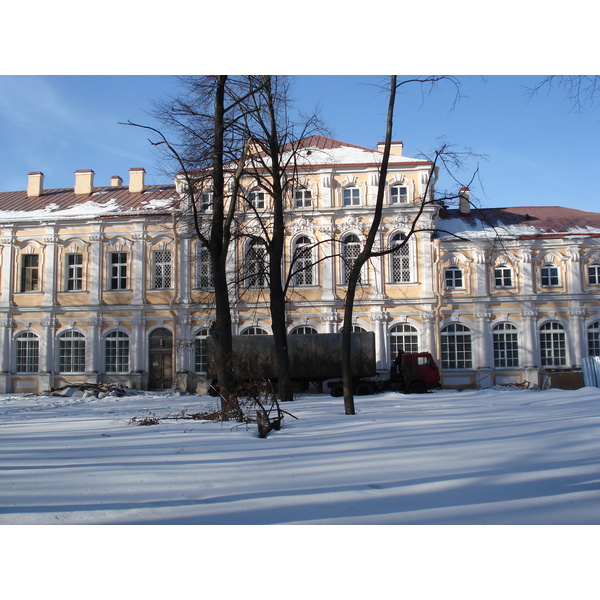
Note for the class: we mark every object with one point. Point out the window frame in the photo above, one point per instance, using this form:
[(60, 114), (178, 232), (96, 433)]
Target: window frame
[(596, 273), (203, 273), (118, 270), (256, 265), (501, 278), (200, 354), (302, 197), (505, 341), (450, 283), (353, 199), (401, 254), (74, 272), (593, 339), (304, 266), (71, 352), (398, 201), (552, 337), (162, 270), (30, 273), (455, 357), (403, 336), (27, 351), (116, 352), (257, 199), (547, 277), (348, 263)]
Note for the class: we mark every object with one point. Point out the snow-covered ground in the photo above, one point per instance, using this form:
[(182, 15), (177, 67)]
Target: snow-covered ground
[(476, 457)]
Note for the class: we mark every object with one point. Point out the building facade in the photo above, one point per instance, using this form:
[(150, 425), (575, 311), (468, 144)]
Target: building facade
[(111, 284)]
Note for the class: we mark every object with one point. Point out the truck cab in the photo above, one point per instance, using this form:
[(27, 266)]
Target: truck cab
[(414, 373)]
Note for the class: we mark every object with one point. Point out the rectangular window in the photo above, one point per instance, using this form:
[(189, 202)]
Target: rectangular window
[(118, 270), (506, 350), (594, 274), (117, 353), (74, 272), (549, 276), (453, 277), (30, 281), (399, 194), (502, 277), (162, 269), (351, 196)]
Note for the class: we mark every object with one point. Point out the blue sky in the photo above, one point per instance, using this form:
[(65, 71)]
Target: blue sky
[(538, 151)]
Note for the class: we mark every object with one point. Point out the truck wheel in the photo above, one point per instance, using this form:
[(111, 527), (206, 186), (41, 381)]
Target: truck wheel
[(337, 390), (417, 387), (363, 388)]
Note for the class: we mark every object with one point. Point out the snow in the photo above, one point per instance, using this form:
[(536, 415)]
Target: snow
[(479, 229), (487, 457), (478, 457)]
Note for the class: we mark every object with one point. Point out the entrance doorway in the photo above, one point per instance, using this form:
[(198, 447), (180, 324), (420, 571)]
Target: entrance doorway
[(161, 360)]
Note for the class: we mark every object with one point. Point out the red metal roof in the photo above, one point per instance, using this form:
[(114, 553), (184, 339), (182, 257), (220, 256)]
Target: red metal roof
[(153, 199)]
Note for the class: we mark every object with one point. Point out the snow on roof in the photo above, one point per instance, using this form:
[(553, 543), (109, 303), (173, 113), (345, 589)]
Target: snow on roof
[(318, 150), (519, 221), (65, 204)]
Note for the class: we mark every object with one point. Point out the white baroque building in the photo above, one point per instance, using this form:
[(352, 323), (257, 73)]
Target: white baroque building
[(110, 284)]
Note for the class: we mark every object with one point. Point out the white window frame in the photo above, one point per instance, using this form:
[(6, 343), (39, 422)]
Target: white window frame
[(403, 254), (71, 352), (500, 277), (505, 340), (304, 262), (116, 352), (118, 271), (256, 266), (456, 347), (351, 196), (450, 283), (396, 197), (302, 197), (347, 263), (545, 274), (162, 269), (27, 347)]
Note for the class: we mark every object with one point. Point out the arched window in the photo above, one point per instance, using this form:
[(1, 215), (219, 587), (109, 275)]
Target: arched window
[(28, 352), (594, 274), (503, 276), (453, 278), (256, 198), (200, 361), (351, 248), (506, 345), (71, 352), (398, 194), (351, 196), (116, 352), (303, 262), (304, 330), (302, 198), (456, 347), (593, 336), (553, 344), (403, 337), (401, 263), (549, 275), (204, 275), (254, 331), (255, 272)]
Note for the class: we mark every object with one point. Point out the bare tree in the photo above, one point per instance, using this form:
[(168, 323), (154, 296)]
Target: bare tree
[(579, 90), (367, 252), (272, 166), (209, 159)]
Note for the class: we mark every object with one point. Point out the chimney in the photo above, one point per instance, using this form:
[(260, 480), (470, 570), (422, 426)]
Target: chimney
[(464, 206), (35, 184), (116, 181), (84, 181), (136, 180), (395, 148)]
